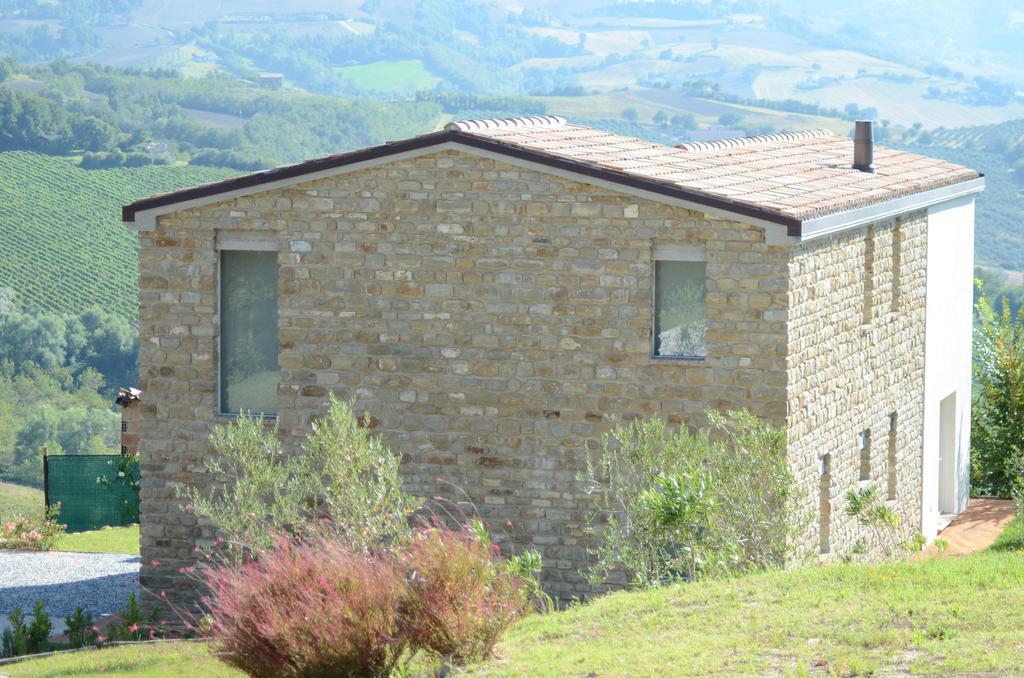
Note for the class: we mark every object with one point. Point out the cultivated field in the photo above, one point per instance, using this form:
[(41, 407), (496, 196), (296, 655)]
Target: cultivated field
[(390, 77), (20, 500), (65, 248)]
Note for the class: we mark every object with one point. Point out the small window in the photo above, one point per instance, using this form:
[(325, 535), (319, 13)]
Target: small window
[(249, 373), (891, 475), (865, 454), (680, 309), (825, 503), (869, 275), (124, 426), (897, 264)]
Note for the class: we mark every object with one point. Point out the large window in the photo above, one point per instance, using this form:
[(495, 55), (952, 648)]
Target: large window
[(680, 309), (248, 332)]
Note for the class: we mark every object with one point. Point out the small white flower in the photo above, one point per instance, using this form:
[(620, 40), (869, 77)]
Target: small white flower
[(120, 474)]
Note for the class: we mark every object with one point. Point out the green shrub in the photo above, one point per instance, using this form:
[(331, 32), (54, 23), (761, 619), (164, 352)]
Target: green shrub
[(997, 413), (81, 630), (22, 638), (866, 505), (344, 480), (672, 505)]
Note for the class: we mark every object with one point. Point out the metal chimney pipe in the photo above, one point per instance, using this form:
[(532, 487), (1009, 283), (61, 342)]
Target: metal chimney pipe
[(863, 147)]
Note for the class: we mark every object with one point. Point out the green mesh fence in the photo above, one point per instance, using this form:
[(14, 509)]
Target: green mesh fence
[(74, 481)]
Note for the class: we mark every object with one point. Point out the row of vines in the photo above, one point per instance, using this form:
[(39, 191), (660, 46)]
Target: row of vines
[(64, 247)]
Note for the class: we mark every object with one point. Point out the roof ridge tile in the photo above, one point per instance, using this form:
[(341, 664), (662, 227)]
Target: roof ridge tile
[(498, 123), (738, 142)]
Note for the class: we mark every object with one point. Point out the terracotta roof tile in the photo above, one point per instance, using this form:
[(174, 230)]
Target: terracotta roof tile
[(787, 178), (802, 175)]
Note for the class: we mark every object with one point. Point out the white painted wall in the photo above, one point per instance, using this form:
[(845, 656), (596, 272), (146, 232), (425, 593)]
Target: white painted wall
[(947, 368)]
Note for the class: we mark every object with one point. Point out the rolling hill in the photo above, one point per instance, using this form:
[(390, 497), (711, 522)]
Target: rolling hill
[(997, 151), (64, 247)]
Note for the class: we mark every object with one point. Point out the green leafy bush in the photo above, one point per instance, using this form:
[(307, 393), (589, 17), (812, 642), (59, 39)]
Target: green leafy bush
[(22, 638), (130, 624), (81, 630), (866, 506), (997, 413), (672, 505), (323, 573), (344, 480)]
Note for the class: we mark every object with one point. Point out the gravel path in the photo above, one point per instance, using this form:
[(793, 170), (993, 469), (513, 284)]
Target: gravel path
[(99, 583)]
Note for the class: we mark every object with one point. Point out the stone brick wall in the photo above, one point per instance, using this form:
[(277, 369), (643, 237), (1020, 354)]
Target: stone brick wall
[(130, 428), (493, 320), (852, 364)]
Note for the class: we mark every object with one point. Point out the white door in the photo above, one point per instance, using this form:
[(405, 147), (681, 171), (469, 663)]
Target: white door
[(947, 454)]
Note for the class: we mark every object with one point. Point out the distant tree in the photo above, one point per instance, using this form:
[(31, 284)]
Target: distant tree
[(137, 159), (93, 134), (6, 69), (630, 114), (687, 121), (37, 339), (729, 119), (661, 117), (96, 340), (102, 160), (105, 343), (47, 408), (61, 430)]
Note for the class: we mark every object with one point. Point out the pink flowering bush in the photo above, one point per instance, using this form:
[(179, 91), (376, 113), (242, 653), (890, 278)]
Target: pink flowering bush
[(32, 534), (308, 609), (460, 596), (316, 606)]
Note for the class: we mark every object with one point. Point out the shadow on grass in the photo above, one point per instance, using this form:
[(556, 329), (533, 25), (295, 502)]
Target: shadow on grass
[(1012, 538)]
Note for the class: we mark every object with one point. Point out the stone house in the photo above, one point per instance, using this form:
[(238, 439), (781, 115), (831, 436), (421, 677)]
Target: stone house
[(497, 294)]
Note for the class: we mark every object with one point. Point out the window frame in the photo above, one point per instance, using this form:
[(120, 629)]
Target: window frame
[(864, 468), (675, 252), (238, 242)]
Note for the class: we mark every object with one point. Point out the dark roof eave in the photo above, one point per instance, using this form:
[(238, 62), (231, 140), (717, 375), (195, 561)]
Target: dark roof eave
[(128, 212)]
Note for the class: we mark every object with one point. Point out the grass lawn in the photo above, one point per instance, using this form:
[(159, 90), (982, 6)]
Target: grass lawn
[(164, 660), (108, 540), (1012, 538), (390, 76), (937, 616), (20, 500)]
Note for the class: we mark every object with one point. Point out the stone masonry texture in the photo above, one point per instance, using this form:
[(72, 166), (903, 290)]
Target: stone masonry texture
[(855, 357), (493, 322)]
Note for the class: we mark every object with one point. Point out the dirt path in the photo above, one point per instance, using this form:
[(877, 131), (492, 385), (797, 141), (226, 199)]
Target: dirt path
[(976, 528)]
